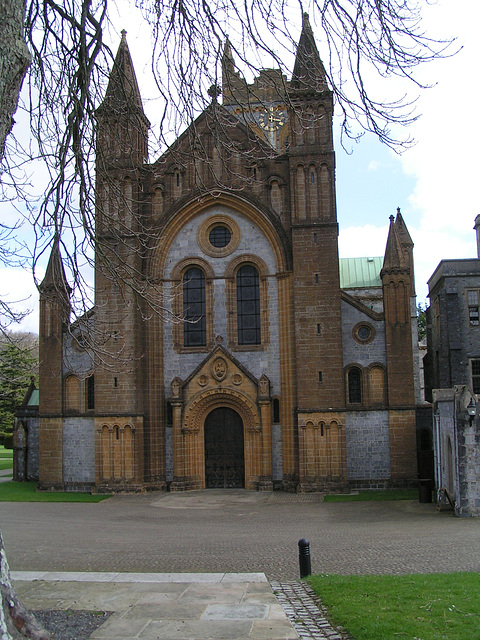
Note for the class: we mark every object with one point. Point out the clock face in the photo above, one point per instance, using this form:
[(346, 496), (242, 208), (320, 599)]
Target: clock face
[(272, 119)]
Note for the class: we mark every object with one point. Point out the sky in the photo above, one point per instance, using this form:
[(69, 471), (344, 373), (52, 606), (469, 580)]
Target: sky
[(434, 183)]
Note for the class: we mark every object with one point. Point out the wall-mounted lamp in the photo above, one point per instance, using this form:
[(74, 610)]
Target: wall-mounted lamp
[(471, 410)]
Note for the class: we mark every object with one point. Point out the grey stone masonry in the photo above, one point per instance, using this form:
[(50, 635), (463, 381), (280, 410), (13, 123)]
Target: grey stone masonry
[(78, 450), (362, 354), (368, 445), (452, 341)]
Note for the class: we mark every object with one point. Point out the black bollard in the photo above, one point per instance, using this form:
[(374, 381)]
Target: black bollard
[(304, 558)]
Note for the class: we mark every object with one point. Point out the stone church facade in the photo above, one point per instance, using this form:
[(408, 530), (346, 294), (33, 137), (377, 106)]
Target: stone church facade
[(272, 364)]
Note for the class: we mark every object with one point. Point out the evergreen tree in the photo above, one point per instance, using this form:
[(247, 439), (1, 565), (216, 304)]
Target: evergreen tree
[(18, 364)]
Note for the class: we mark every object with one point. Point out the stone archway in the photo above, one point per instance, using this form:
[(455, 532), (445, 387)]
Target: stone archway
[(224, 449)]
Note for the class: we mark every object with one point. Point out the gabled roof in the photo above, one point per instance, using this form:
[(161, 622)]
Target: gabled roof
[(218, 122)]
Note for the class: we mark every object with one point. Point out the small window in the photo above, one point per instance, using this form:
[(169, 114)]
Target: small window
[(248, 305), (169, 415), (476, 376), (276, 411), (91, 393), (473, 308), (354, 386)]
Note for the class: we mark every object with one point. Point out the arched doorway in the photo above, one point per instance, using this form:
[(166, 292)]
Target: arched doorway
[(224, 455)]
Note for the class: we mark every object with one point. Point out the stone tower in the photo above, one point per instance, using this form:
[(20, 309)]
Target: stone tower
[(122, 130), (318, 334), (398, 294)]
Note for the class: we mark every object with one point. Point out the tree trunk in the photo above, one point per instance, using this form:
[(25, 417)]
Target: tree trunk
[(16, 623), (14, 61)]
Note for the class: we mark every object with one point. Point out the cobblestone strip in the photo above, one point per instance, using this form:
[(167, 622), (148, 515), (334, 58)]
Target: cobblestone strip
[(305, 611)]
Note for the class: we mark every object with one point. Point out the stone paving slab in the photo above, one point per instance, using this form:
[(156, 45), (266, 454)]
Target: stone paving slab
[(164, 606)]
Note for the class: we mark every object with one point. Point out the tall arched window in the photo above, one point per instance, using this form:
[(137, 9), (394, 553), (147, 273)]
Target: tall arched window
[(194, 327), (354, 386), (248, 305)]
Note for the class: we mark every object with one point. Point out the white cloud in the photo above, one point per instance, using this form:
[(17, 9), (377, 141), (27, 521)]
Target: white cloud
[(442, 207)]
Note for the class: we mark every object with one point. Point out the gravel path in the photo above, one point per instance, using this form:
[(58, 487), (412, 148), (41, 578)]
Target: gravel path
[(71, 625)]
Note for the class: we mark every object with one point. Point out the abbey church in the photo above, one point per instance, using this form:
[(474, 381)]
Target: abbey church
[(228, 345)]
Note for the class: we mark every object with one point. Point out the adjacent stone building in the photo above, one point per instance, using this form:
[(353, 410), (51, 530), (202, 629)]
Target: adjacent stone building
[(452, 377), (271, 364)]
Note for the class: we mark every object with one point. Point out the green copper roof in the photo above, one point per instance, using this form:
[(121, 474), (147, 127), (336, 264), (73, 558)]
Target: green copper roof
[(360, 272), (33, 400)]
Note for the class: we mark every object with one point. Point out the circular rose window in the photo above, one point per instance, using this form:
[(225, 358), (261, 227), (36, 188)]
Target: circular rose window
[(218, 236), (363, 332)]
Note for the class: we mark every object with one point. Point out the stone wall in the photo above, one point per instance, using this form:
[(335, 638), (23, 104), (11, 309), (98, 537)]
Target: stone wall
[(457, 449), (368, 445), (78, 450)]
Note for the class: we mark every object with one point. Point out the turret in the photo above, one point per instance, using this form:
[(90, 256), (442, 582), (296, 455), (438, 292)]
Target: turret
[(396, 282), (54, 317)]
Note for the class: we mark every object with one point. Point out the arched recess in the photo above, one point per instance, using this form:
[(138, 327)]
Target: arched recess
[(231, 294), (193, 443), (326, 192), (300, 193), (321, 451), (313, 192), (117, 453), (450, 467), (376, 384), (72, 393), (266, 221)]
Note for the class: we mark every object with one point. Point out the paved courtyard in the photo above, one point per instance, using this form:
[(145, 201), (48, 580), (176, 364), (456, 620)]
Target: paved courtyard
[(237, 531)]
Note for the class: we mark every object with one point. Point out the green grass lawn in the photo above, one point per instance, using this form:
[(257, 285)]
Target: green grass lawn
[(364, 496), (6, 458), (25, 492), (411, 607)]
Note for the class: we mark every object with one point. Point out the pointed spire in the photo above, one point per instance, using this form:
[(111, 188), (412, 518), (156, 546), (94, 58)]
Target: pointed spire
[(228, 63), (402, 229), (308, 72), (395, 257), (407, 244), (55, 280), (123, 95)]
